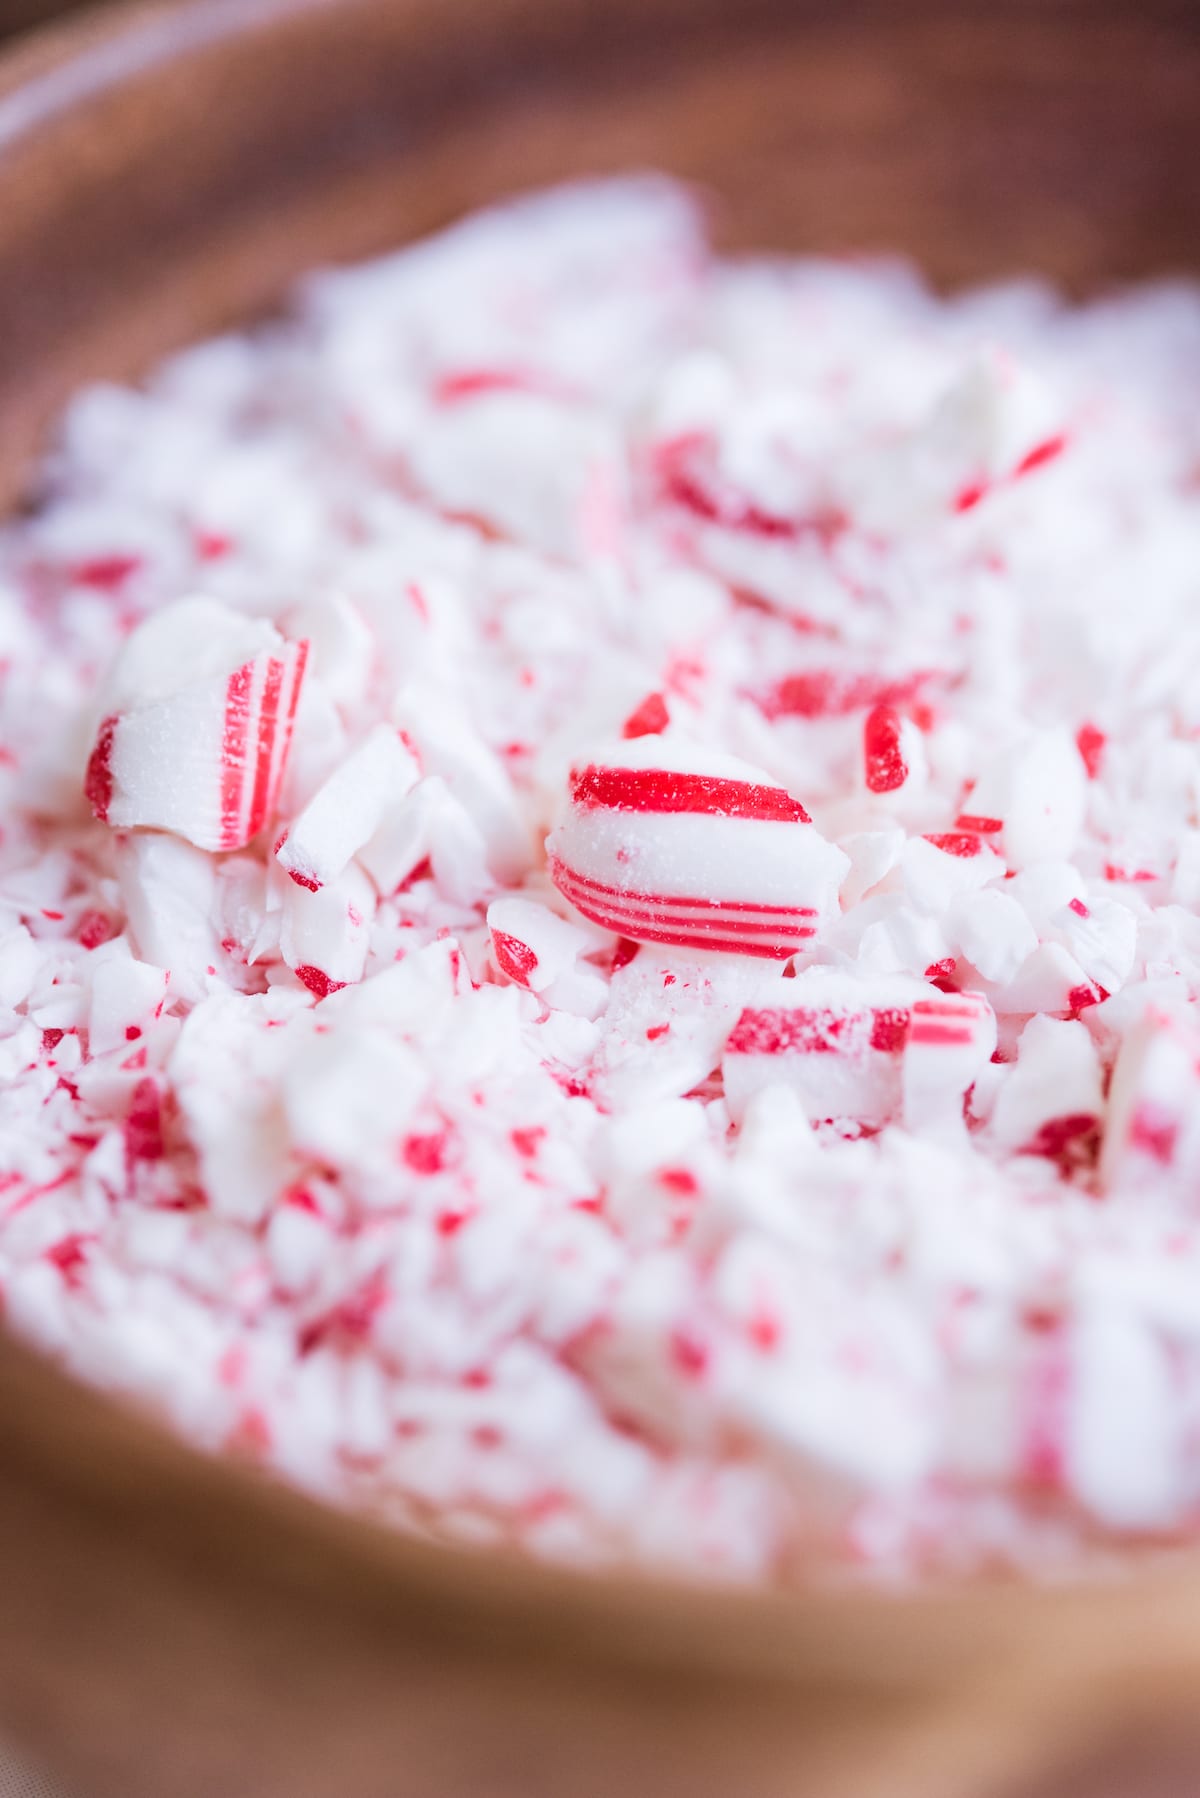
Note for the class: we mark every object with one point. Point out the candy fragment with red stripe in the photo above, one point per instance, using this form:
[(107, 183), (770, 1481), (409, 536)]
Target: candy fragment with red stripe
[(835, 1040), (1152, 1139), (1051, 1103), (668, 843), (950, 1041), (531, 945), (325, 934), (196, 725)]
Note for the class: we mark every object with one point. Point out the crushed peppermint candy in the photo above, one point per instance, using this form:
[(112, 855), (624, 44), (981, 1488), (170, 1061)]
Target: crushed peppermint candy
[(600, 902)]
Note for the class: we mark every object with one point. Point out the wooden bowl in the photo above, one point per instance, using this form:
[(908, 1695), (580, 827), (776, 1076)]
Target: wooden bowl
[(172, 1626)]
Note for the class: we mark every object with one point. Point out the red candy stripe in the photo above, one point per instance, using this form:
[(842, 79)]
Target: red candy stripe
[(662, 790)]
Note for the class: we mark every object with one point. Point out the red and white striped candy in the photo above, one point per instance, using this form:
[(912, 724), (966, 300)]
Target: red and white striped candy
[(668, 843), (835, 1041), (950, 1040), (1152, 1139), (198, 716)]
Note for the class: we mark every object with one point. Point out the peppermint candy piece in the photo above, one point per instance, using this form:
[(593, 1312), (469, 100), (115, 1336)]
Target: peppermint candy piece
[(949, 1041), (325, 933), (197, 724), (665, 842), (1152, 1142), (837, 1042)]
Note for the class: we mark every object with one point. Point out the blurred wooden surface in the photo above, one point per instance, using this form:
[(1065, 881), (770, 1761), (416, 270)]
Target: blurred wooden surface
[(167, 170), (20, 15)]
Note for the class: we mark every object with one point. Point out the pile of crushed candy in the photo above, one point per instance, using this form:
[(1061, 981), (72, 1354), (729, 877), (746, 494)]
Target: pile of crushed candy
[(600, 902)]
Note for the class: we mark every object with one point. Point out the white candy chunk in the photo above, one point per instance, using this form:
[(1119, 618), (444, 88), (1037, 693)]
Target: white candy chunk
[(995, 421), (530, 944), (994, 415), (449, 745), (834, 1040), (246, 908), (20, 959), (125, 996), (430, 824), (320, 742), (298, 1244), (404, 836), (324, 936), (1038, 792), (225, 1072), (348, 1095), (1053, 1099), (1124, 1445), (1048, 980), (873, 854), (1043, 890), (773, 1119), (581, 992), (939, 869), (643, 1142), (664, 1027), (341, 647), (1185, 879), (1101, 935), (884, 935), (197, 724), (168, 892), (519, 459), (1152, 1143), (950, 1040), (457, 850), (666, 841), (992, 932), (345, 813)]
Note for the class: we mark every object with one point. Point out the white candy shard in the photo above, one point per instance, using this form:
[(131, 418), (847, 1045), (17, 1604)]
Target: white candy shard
[(448, 744), (341, 647), (940, 868), (1101, 935), (668, 842), (19, 963), (1035, 793), (325, 935), (1124, 1444), (344, 814), (873, 854), (992, 932), (225, 1072), (1049, 980), (197, 723), (1052, 1102), (430, 824), (168, 890), (126, 996), (531, 945), (1152, 1143)]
